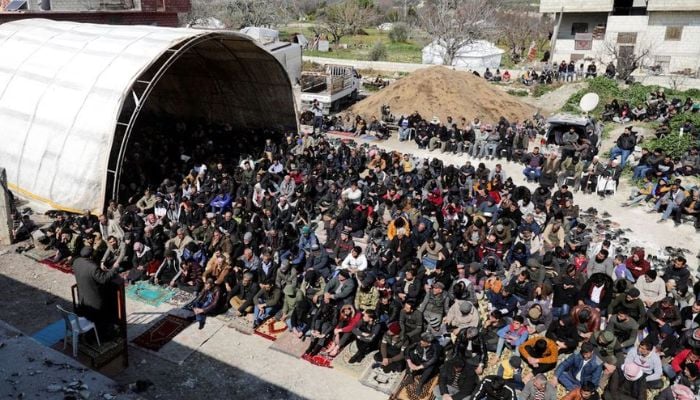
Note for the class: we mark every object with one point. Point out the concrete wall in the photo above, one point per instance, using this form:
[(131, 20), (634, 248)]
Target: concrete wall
[(180, 6), (100, 17), (565, 45), (684, 54), (548, 6), (673, 5), (592, 19), (5, 211)]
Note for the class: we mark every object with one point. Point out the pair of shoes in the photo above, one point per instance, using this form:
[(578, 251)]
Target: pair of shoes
[(355, 358), (201, 325), (660, 221)]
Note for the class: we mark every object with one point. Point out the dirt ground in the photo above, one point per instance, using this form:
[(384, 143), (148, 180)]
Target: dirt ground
[(440, 92)]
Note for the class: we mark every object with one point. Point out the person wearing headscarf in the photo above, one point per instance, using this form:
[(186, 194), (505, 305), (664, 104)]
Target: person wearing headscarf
[(627, 383)]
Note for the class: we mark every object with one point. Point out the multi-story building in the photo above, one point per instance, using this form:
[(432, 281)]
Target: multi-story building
[(665, 32)]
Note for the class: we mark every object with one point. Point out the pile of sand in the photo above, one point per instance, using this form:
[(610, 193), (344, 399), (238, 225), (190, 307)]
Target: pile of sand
[(440, 91)]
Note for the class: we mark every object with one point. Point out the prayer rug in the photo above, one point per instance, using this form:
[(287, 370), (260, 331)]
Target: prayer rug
[(271, 329), (382, 381), (321, 360), (61, 266), (407, 389), (180, 297), (51, 334), (289, 343), (161, 332), (149, 294), (341, 362)]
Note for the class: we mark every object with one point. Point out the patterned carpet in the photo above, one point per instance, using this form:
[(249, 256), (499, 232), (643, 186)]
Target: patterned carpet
[(149, 294), (161, 332), (271, 329)]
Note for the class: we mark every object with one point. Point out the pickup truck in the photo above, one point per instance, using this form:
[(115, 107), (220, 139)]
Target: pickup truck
[(338, 84)]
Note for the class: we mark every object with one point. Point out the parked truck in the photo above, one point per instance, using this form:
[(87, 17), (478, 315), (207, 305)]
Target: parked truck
[(336, 85)]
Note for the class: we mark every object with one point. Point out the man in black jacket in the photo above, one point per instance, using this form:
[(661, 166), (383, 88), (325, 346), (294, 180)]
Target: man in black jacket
[(411, 323), (422, 359), (456, 382), (624, 146), (240, 296), (94, 292), (493, 387), (366, 336)]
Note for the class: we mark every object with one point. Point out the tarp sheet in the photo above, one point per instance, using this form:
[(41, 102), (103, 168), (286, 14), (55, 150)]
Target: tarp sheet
[(62, 86)]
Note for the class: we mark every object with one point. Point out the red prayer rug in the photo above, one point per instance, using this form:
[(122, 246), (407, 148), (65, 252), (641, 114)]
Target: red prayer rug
[(61, 266), (161, 332), (319, 359)]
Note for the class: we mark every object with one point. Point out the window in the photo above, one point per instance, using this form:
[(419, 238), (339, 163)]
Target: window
[(674, 32), (627, 38), (579, 27), (664, 62)]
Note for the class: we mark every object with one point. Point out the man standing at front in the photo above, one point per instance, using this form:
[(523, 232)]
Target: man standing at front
[(94, 291)]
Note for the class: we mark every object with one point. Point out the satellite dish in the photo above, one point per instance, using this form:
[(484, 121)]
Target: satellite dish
[(589, 101)]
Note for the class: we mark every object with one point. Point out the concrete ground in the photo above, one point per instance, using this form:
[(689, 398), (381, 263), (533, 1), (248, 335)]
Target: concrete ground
[(229, 364), (31, 370)]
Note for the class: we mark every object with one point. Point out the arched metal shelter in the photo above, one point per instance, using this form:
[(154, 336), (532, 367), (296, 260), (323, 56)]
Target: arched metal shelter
[(71, 93)]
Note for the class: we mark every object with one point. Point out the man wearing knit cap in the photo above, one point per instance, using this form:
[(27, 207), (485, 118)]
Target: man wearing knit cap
[(462, 314), (390, 356), (435, 306)]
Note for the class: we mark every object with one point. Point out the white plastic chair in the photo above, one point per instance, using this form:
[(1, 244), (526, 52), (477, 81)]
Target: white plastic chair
[(605, 185), (75, 326), (411, 133)]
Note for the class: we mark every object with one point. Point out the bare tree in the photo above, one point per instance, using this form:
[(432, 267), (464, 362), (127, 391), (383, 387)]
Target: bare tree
[(301, 8), (625, 56), (519, 28), (677, 81), (236, 14), (346, 18), (457, 23)]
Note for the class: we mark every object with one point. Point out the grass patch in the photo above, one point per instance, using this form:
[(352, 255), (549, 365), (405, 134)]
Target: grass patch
[(609, 89), (541, 90), (634, 94), (359, 47), (518, 92)]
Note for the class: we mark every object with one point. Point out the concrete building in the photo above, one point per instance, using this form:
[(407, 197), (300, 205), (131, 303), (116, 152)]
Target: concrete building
[(669, 30), (112, 12)]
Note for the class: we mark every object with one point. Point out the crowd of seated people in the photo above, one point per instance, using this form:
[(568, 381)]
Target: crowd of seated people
[(656, 108), (433, 266)]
